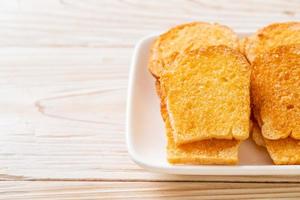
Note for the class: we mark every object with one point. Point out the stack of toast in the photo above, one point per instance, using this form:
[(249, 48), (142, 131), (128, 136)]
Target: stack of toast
[(203, 82), (204, 76), (274, 54)]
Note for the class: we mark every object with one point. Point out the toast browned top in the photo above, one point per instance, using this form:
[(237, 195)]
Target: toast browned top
[(207, 95), (275, 92), (270, 37), (187, 37)]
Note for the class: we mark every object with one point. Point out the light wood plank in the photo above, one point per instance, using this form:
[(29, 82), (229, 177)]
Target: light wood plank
[(63, 78), (117, 23), (15, 190)]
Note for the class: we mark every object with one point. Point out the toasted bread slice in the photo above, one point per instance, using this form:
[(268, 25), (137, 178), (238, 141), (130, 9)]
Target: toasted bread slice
[(204, 152), (207, 96), (270, 37), (283, 151), (180, 38), (275, 92), (187, 36)]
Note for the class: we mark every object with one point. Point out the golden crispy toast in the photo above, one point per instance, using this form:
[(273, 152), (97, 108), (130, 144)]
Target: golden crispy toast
[(270, 37), (275, 92), (204, 152), (283, 151), (187, 37), (181, 38), (207, 96)]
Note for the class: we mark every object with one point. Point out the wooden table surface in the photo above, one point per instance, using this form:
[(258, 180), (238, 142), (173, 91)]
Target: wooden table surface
[(63, 76)]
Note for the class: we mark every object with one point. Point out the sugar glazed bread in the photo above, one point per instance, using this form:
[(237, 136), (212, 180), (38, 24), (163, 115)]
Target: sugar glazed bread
[(275, 89), (275, 97), (274, 52), (196, 35), (207, 95), (168, 53)]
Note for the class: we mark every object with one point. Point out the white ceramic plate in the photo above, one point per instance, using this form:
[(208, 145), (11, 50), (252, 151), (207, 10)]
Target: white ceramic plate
[(146, 139)]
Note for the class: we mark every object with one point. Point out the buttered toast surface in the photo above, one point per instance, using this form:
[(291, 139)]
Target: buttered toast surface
[(185, 37), (208, 95), (275, 89)]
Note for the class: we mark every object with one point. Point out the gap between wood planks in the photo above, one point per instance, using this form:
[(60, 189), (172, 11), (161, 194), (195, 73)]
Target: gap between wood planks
[(18, 178)]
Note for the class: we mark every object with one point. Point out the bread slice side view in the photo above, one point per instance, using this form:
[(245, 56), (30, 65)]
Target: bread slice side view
[(275, 92), (283, 151), (207, 96), (257, 136), (204, 152), (187, 37), (270, 37), (214, 151)]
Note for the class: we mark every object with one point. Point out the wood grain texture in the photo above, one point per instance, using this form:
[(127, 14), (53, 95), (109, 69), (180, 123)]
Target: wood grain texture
[(63, 118), (15, 190), (120, 23), (63, 77)]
